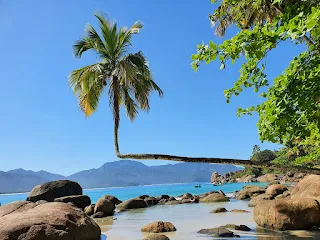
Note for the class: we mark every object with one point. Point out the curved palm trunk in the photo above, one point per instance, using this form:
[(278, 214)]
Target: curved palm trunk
[(203, 159)]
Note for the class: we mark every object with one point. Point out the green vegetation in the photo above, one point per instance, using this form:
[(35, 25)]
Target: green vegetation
[(264, 156), (290, 113), (126, 75)]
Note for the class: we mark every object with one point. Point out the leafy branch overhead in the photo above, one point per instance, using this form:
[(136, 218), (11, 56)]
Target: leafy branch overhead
[(290, 112)]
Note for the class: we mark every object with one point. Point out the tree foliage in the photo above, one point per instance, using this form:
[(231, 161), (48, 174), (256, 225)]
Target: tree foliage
[(290, 113), (264, 156)]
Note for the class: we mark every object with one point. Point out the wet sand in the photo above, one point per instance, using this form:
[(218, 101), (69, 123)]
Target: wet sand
[(188, 219)]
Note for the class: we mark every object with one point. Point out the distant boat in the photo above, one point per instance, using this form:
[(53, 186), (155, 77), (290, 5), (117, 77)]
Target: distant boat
[(197, 186)]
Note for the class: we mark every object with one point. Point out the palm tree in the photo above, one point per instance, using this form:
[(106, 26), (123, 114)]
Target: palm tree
[(128, 79)]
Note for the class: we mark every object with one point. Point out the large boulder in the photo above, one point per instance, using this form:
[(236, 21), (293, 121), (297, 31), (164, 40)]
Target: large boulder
[(237, 227), (287, 214), (150, 201), (255, 200), (80, 201), (112, 199), (276, 189), (268, 178), (132, 204), (105, 206), (89, 210), (308, 187), (53, 220), (214, 197), (249, 191), (56, 189), (158, 227)]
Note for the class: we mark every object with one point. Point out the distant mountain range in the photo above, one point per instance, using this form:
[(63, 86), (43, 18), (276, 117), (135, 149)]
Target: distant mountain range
[(116, 174)]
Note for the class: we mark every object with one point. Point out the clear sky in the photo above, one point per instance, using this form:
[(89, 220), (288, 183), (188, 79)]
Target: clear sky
[(41, 126)]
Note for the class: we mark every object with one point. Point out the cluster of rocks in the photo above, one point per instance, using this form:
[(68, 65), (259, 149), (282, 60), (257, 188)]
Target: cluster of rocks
[(224, 231), (281, 207), (52, 211), (219, 179)]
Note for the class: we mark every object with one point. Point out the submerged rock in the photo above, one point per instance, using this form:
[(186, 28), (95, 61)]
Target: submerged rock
[(158, 227), (218, 232), (237, 227), (219, 210), (157, 237), (56, 189), (239, 210), (52, 220)]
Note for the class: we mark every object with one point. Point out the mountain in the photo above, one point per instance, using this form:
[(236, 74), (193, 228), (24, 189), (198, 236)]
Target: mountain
[(116, 174)]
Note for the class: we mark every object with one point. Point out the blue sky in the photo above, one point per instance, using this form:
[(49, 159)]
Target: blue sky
[(41, 126)]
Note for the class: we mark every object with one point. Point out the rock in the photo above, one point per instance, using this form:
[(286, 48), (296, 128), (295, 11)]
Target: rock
[(267, 178), (174, 202), (237, 227), (158, 227), (89, 210), (157, 237), (104, 205), (247, 178), (287, 214), (56, 189), (219, 210), (151, 201), (276, 189), (239, 211), (273, 182), (132, 204), (217, 232), (283, 195), (99, 215), (255, 200), (113, 199), (163, 201), (52, 220), (186, 201), (164, 197), (248, 191), (214, 197), (80, 201), (308, 187), (187, 196), (171, 199), (143, 197)]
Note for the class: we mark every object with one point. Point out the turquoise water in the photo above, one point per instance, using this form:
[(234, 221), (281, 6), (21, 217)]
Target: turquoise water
[(126, 193)]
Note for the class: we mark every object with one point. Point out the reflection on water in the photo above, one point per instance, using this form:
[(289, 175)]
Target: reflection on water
[(189, 219)]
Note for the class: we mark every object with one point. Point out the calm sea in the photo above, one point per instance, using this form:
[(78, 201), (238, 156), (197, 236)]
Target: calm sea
[(125, 193)]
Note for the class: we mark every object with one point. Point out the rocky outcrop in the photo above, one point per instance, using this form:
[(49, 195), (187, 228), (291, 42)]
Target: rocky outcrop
[(218, 179), (276, 189), (151, 201), (80, 201), (217, 232), (132, 204), (51, 220), (105, 206), (249, 191), (287, 214), (308, 187), (56, 189), (214, 197), (159, 227), (112, 199)]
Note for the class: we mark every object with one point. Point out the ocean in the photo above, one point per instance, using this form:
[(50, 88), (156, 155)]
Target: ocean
[(125, 193)]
